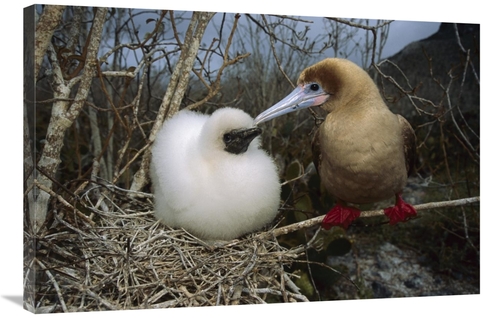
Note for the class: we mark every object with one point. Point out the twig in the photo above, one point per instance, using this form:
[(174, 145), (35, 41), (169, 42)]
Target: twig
[(215, 87), (459, 42), (317, 220), (272, 38), (55, 284), (63, 201), (274, 292), (176, 88), (103, 301)]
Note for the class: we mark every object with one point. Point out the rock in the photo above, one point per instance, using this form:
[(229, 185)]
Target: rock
[(389, 271), (442, 53)]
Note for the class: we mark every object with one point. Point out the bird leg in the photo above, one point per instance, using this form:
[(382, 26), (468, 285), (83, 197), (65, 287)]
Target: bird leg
[(340, 214), (400, 212)]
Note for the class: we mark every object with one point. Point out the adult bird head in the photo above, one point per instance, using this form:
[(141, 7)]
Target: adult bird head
[(332, 83)]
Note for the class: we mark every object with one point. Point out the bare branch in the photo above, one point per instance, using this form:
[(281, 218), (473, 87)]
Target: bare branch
[(465, 52), (215, 87), (55, 284), (365, 214), (176, 88), (63, 115), (272, 38), (45, 27)]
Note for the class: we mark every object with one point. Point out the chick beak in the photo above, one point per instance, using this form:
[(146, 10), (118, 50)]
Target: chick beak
[(238, 140)]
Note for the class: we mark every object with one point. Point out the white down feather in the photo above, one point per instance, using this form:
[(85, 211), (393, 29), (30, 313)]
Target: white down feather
[(206, 190)]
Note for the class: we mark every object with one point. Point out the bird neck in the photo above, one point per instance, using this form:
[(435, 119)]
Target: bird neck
[(361, 95)]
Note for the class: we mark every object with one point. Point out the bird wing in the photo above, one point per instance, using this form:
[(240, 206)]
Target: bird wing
[(409, 144)]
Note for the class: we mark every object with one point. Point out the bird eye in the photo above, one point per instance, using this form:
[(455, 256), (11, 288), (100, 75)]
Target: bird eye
[(314, 87), (227, 138)]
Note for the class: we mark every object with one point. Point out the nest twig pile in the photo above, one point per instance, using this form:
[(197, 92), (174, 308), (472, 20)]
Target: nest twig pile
[(110, 253)]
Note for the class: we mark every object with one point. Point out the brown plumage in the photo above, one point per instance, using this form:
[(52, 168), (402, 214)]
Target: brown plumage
[(362, 151)]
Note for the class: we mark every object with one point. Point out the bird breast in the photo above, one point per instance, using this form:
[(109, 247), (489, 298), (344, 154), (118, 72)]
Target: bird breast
[(230, 197), (360, 168)]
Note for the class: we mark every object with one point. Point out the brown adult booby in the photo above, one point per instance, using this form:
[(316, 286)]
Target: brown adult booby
[(362, 151)]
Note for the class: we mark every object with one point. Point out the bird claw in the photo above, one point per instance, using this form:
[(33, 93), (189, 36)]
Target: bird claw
[(340, 215), (400, 212)]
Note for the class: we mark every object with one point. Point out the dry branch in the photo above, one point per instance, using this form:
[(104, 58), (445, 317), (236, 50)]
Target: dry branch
[(215, 87), (176, 88), (364, 214), (64, 114), (45, 27), (128, 260)]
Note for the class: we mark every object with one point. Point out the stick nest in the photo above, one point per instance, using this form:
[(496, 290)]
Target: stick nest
[(110, 253)]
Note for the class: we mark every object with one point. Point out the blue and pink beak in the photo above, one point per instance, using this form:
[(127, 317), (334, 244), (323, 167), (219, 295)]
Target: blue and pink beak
[(304, 96)]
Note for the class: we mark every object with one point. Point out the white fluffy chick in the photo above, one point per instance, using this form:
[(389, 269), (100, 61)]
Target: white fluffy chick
[(211, 177)]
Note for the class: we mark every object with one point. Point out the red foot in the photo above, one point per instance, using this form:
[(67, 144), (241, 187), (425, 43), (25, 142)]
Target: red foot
[(400, 212), (340, 215)]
